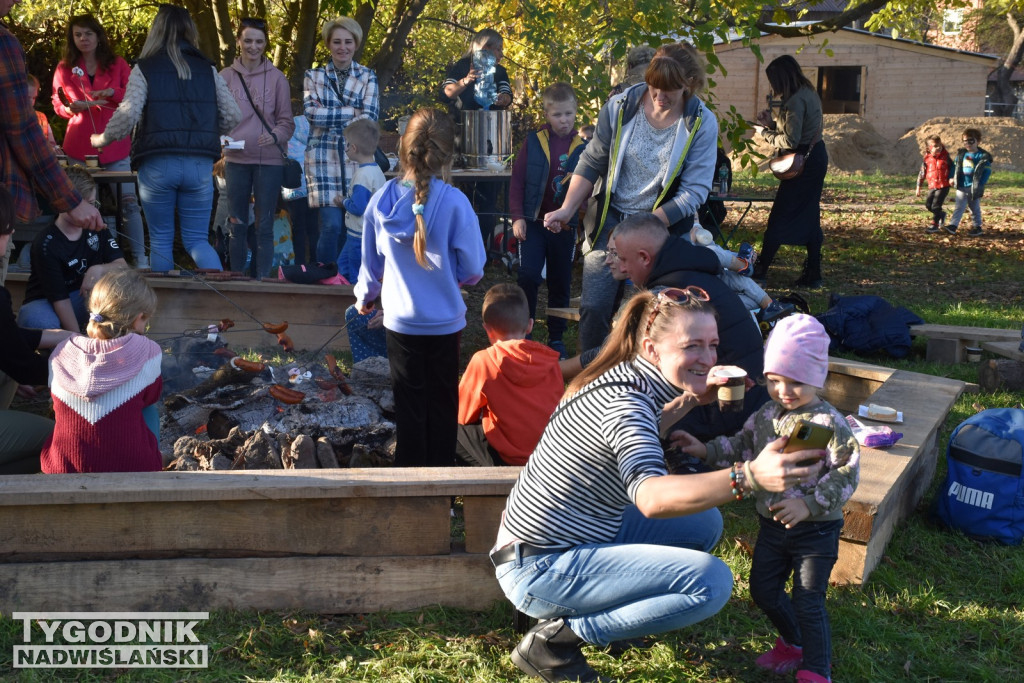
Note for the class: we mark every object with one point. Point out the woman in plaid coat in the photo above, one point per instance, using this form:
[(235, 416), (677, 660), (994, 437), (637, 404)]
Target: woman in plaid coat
[(334, 95)]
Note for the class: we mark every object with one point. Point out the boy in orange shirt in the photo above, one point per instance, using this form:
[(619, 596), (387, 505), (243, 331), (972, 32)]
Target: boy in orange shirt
[(509, 389)]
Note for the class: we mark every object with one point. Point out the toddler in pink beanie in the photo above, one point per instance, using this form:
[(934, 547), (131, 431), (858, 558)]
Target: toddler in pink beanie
[(800, 527)]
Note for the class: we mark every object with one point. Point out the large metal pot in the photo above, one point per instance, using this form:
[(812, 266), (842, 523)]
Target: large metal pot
[(486, 137)]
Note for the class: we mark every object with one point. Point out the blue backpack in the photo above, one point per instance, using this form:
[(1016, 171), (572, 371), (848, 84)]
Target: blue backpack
[(983, 495)]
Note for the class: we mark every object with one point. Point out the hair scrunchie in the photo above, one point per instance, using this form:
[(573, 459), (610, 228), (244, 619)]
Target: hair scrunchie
[(417, 209), (96, 317)]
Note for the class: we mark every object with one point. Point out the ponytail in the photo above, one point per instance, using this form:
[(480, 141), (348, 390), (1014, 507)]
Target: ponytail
[(622, 343)]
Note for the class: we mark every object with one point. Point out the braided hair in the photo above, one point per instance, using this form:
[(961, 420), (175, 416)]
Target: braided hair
[(427, 149)]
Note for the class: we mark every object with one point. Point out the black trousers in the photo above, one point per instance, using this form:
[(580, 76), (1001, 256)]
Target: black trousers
[(933, 202), (425, 379)]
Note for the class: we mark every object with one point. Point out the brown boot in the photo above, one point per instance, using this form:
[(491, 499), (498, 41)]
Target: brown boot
[(551, 651)]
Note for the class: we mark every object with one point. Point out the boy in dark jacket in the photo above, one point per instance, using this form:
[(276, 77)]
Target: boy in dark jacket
[(972, 169), (540, 176)]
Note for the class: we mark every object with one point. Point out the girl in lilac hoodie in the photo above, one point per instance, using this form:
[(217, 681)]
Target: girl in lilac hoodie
[(421, 242)]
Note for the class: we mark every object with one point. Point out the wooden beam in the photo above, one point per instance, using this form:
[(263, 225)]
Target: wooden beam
[(150, 487), (231, 528), (349, 585), (965, 333)]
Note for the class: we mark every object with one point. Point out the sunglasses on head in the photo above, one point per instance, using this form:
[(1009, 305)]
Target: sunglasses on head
[(250, 22), (675, 295)]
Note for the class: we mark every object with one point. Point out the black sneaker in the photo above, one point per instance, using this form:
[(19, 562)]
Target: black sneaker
[(975, 231), (951, 229), (932, 229)]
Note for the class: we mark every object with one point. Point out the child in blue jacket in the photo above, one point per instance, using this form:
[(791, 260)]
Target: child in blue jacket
[(972, 169)]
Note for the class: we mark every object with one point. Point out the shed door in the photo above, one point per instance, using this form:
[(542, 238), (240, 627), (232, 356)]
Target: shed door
[(842, 89)]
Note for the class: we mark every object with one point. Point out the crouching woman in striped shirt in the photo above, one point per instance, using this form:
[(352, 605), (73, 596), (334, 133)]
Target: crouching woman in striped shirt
[(598, 540)]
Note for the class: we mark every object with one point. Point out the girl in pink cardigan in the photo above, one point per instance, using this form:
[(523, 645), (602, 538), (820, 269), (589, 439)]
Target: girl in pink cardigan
[(105, 386)]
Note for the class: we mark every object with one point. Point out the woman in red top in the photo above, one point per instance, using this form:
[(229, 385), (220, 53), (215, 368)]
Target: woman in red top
[(88, 85)]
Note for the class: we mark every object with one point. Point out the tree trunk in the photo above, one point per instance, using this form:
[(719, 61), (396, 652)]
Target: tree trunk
[(203, 17), (225, 33), (307, 37), (1004, 99), (389, 58), (291, 18), (1001, 375)]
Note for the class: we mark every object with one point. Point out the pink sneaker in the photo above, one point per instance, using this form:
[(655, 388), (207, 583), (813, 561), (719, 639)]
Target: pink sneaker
[(805, 676), (782, 658)]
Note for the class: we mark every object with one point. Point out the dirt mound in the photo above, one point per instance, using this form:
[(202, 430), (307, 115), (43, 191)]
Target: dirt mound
[(1002, 137), (855, 146)]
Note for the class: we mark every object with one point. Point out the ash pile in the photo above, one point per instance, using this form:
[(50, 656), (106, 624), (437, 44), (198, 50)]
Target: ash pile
[(238, 414)]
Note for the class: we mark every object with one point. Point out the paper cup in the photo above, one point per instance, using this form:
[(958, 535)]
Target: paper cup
[(92, 161), (730, 395)]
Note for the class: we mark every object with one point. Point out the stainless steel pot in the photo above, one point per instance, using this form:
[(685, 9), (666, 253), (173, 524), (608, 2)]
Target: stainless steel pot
[(486, 137)]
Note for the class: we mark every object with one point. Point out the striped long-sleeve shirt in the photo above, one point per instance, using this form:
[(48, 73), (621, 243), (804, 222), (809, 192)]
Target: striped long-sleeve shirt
[(598, 447)]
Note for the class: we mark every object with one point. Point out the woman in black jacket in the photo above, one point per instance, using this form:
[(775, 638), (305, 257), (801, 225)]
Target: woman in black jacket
[(21, 434)]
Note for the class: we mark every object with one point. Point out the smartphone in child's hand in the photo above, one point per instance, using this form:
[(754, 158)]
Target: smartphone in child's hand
[(808, 436)]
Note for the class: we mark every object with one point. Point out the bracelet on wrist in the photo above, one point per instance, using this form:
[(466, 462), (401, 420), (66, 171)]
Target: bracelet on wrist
[(751, 481), (737, 481)]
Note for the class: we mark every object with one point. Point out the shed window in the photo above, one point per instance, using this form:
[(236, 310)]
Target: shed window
[(952, 21)]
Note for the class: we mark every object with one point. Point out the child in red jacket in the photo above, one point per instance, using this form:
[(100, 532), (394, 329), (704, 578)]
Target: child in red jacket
[(509, 389), (936, 170)]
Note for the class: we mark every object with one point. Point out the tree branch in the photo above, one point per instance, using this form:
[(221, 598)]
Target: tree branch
[(831, 24)]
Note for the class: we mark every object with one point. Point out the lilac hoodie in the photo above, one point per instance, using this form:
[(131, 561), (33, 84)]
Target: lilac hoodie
[(269, 90), (417, 300)]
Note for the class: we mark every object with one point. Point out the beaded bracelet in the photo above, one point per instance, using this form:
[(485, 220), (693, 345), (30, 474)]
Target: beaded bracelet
[(736, 480)]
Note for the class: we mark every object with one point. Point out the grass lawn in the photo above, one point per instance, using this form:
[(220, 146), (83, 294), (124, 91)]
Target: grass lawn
[(938, 608)]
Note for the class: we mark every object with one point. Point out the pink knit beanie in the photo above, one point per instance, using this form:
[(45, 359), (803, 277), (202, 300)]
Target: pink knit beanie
[(798, 348)]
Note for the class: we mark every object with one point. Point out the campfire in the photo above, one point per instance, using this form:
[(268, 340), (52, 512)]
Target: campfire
[(224, 413)]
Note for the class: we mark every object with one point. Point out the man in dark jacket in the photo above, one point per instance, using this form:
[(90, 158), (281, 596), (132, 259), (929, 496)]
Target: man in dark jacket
[(652, 258)]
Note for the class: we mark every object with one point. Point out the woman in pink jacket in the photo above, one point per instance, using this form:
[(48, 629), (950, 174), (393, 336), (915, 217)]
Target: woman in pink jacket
[(87, 87), (262, 93)]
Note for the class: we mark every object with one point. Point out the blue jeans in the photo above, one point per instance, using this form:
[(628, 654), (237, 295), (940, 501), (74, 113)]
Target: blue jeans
[(332, 234), (39, 314), (305, 229), (556, 249), (656, 576), (962, 202), (350, 258), (169, 183), (599, 291), (808, 551), (262, 183)]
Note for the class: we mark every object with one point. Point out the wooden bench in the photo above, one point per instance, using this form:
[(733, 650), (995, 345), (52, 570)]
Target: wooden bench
[(946, 343), (346, 540), (359, 540), (188, 304), (571, 312)]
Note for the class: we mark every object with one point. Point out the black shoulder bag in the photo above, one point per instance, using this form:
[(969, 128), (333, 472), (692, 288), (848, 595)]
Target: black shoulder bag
[(292, 176)]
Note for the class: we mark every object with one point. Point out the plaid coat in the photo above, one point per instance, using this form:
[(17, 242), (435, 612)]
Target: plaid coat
[(328, 115), (26, 160)]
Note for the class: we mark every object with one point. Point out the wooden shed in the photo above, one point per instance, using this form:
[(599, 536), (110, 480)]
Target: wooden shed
[(895, 84)]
